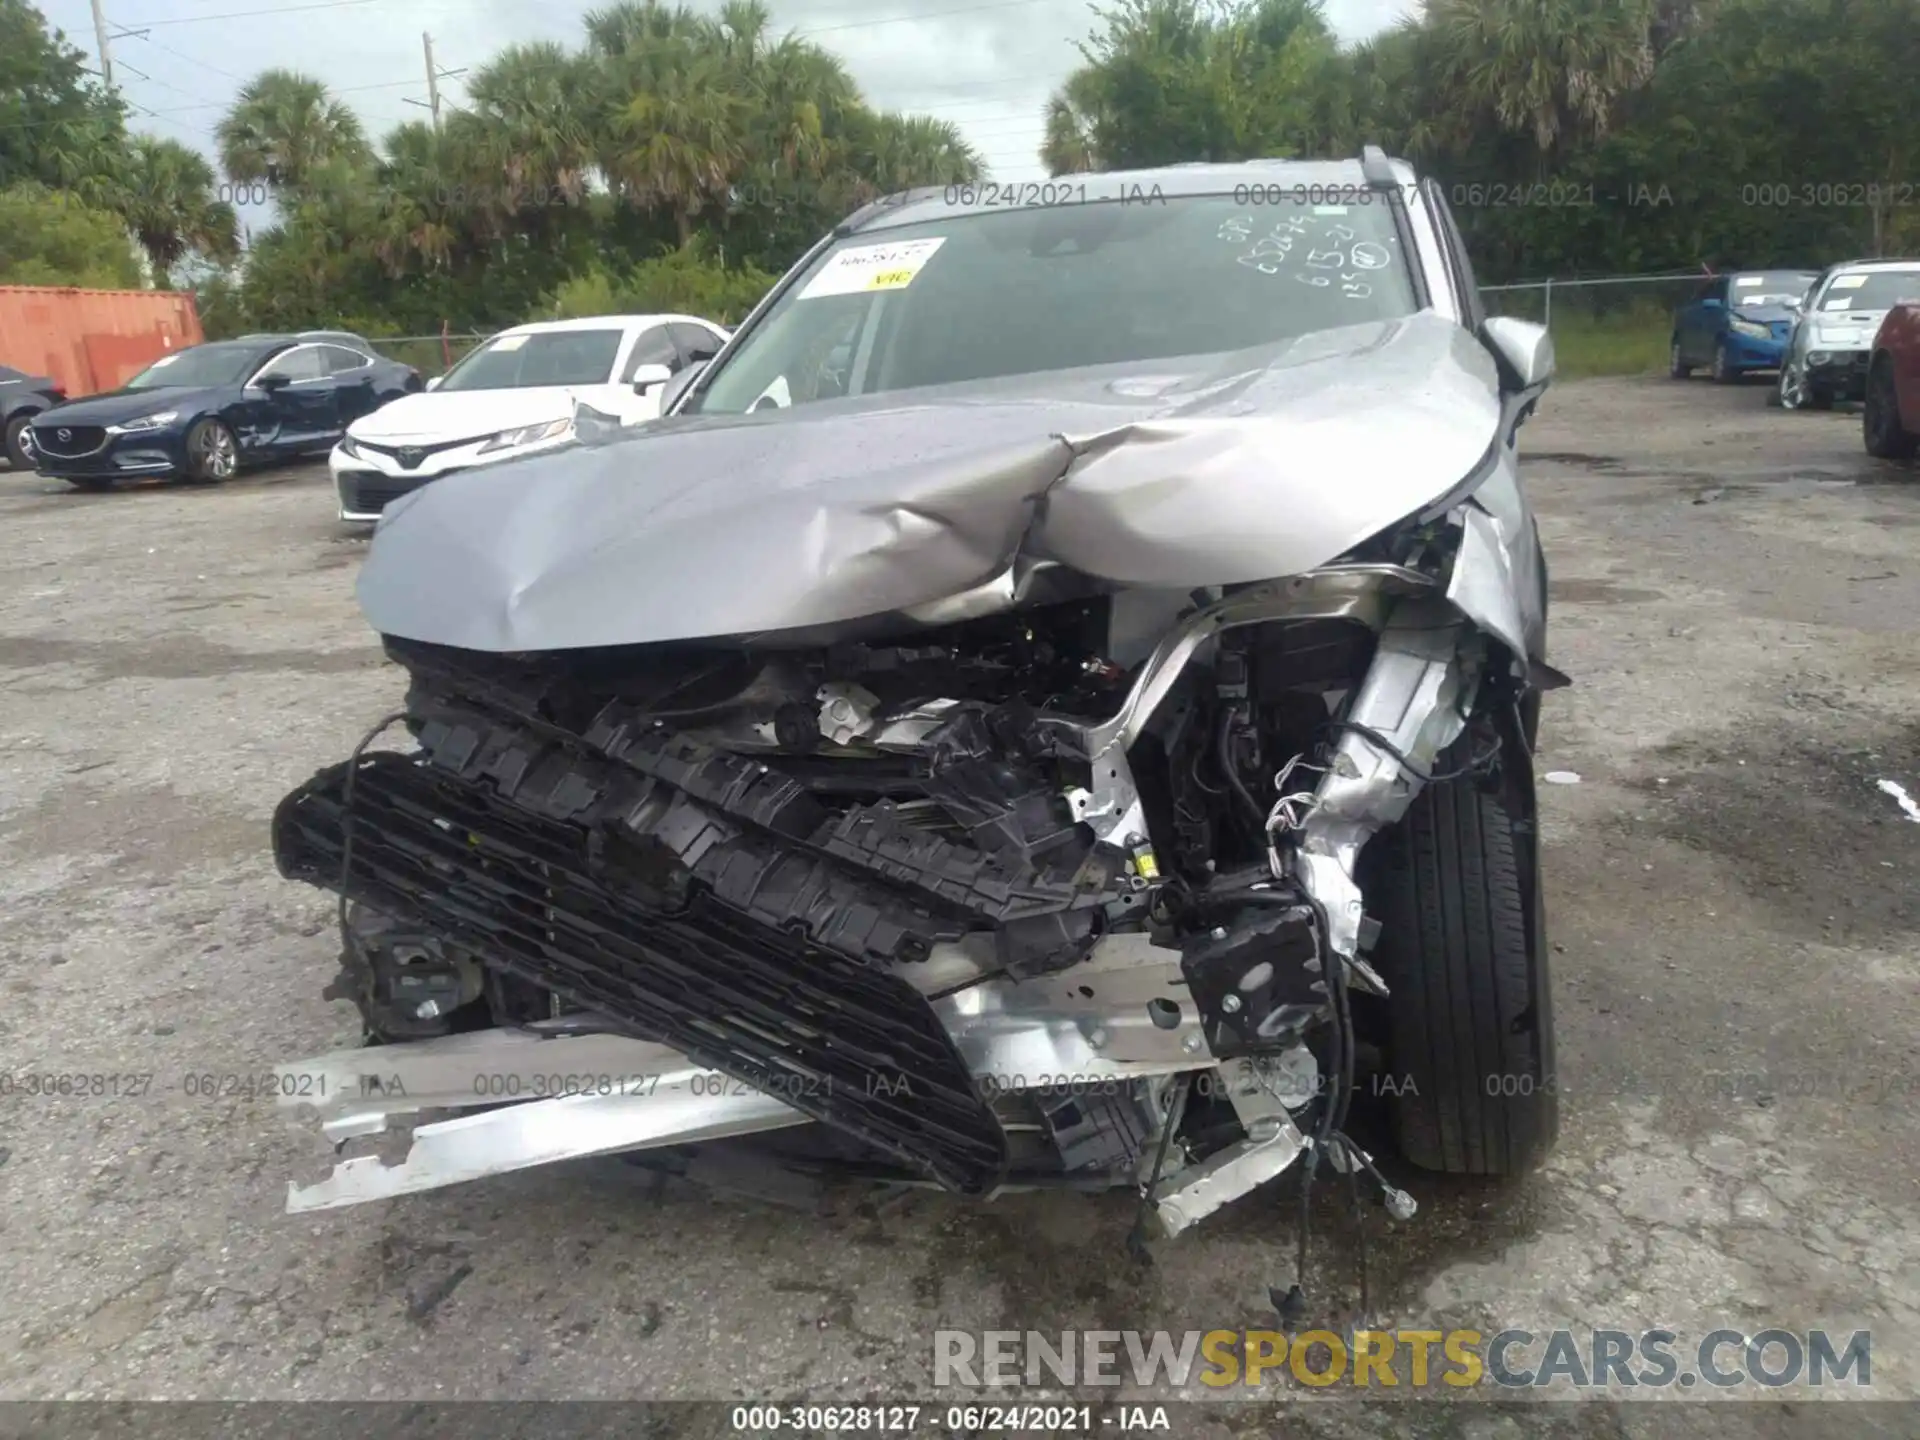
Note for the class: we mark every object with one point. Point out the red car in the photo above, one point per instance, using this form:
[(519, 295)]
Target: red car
[(1891, 419)]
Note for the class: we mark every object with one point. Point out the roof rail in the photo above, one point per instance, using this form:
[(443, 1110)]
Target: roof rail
[(1377, 169)]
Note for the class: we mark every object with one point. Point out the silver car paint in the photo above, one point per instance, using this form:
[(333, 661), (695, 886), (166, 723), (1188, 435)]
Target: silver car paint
[(1258, 466), (1222, 469)]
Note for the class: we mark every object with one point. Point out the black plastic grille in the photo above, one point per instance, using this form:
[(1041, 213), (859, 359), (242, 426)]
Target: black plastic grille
[(849, 1043), (369, 493), (78, 439)]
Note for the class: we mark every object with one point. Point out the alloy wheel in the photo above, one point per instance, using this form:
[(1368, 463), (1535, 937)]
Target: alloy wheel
[(217, 454), (1793, 387)]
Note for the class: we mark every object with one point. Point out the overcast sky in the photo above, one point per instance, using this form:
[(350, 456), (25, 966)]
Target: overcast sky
[(987, 65)]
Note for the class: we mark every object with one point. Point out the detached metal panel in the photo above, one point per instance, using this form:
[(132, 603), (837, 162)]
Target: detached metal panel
[(92, 340)]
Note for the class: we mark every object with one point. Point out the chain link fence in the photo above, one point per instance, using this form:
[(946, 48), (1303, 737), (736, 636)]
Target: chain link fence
[(1609, 325), (431, 355)]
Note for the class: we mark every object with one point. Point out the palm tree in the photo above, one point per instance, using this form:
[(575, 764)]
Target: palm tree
[(1551, 70), (902, 152), (533, 113), (165, 193), (678, 142), (283, 127), (1071, 145)]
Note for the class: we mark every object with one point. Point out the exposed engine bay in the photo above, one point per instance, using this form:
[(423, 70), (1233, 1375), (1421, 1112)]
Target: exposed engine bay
[(1063, 894)]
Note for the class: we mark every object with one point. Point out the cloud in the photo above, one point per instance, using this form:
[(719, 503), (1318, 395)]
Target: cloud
[(986, 65)]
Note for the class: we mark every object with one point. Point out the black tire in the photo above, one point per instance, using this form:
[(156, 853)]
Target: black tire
[(1678, 369), (1880, 426), (213, 454), (18, 456), (1723, 372), (1462, 948)]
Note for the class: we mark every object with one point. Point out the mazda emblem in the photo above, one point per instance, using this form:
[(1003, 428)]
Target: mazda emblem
[(65, 434)]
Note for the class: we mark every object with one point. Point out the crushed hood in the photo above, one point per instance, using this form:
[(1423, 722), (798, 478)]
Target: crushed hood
[(1188, 472)]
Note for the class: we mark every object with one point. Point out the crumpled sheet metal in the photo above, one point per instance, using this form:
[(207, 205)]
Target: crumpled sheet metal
[(1243, 467)]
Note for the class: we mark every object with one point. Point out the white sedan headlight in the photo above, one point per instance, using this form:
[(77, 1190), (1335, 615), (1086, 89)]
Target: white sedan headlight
[(348, 448), (159, 420), (526, 435)]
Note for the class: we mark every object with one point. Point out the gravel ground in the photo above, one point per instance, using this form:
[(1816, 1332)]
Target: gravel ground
[(1732, 901)]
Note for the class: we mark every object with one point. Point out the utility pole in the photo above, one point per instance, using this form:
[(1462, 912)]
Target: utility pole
[(433, 77), (100, 38)]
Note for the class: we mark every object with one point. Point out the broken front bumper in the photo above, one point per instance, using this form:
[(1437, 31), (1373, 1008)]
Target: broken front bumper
[(604, 1094)]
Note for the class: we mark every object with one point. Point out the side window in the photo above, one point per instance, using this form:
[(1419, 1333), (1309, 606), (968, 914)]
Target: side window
[(340, 360), (654, 347), (1457, 262), (303, 362), (696, 342)]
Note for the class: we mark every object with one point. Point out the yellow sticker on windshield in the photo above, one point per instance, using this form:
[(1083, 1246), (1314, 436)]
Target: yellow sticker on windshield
[(1848, 282), (509, 342), (861, 268)]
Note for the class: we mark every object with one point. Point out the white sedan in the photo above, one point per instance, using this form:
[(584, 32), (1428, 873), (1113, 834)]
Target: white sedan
[(512, 396)]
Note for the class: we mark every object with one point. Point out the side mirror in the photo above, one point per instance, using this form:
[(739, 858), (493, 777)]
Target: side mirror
[(1525, 351), (645, 377), (1711, 304), (677, 386), (277, 380), (434, 383)]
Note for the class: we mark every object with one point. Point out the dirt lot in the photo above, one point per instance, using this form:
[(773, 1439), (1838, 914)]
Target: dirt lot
[(1737, 977)]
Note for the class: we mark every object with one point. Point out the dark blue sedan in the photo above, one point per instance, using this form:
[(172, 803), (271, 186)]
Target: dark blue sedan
[(1738, 322), (207, 411)]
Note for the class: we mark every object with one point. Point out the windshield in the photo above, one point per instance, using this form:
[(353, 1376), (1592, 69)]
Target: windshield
[(1871, 290), (1772, 287), (202, 365), (555, 357), (1016, 292)]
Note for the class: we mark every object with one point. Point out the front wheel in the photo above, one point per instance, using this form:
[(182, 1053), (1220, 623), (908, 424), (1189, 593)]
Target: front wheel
[(1723, 371), (212, 454), (1676, 367), (1462, 949), (19, 441), (1880, 424), (1793, 387)]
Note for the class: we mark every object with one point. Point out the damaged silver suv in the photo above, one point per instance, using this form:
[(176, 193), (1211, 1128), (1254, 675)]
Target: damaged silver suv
[(1052, 705)]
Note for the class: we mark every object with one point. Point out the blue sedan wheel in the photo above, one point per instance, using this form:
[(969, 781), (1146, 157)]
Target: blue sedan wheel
[(211, 451), (1676, 367), (1723, 371)]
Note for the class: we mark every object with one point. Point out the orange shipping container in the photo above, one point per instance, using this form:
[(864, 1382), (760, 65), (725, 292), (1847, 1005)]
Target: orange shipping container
[(92, 340)]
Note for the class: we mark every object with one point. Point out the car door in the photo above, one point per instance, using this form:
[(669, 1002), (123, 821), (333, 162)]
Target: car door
[(303, 413), (1711, 320), (354, 376), (654, 346)]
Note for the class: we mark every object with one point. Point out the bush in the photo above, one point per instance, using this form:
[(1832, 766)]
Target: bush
[(47, 237), (686, 282)]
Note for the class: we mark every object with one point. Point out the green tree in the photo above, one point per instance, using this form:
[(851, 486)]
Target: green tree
[(58, 126), (51, 237), (166, 195), (283, 127)]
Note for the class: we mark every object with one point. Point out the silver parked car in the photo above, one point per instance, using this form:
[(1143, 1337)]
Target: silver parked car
[(1052, 704), (1826, 355)]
